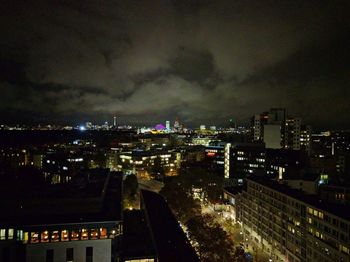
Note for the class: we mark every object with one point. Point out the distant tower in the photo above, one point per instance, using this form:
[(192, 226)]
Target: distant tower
[(167, 125), (114, 121), (176, 125)]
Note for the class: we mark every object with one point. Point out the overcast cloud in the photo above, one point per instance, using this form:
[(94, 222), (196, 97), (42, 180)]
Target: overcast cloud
[(150, 61)]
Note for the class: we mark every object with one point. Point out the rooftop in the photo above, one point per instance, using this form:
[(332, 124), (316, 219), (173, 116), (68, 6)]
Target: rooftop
[(80, 201), (339, 210)]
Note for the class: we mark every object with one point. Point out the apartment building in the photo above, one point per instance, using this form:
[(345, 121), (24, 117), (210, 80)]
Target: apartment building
[(292, 226)]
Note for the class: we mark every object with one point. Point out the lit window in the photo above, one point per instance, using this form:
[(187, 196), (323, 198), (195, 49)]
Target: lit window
[(2, 234), (103, 233), (84, 234), (34, 237), (112, 233), (10, 233), (320, 215), (94, 234), (55, 236), (26, 237), (75, 235), (64, 235), (315, 213), (19, 235), (45, 236), (344, 249)]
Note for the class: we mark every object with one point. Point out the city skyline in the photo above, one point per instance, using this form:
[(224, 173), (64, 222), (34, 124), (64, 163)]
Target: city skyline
[(201, 61)]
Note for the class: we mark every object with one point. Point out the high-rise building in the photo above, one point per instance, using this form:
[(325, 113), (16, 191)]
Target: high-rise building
[(291, 137), (202, 127), (279, 131), (114, 121), (167, 125), (258, 122), (305, 138), (277, 115)]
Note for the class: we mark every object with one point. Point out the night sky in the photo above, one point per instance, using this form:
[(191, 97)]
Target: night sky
[(150, 61)]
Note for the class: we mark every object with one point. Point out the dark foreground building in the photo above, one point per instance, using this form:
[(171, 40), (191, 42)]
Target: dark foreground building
[(170, 241), (78, 221)]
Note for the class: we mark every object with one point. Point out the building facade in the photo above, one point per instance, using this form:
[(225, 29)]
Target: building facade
[(291, 226)]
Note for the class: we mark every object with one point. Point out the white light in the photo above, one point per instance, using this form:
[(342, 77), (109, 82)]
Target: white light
[(82, 128)]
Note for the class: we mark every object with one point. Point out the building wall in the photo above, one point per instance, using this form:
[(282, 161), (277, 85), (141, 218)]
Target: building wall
[(101, 250), (272, 136), (292, 230)]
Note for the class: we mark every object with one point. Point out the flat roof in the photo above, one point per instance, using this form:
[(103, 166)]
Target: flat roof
[(340, 210), (96, 201)]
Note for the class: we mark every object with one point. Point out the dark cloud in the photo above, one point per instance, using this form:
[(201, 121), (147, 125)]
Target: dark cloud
[(201, 61)]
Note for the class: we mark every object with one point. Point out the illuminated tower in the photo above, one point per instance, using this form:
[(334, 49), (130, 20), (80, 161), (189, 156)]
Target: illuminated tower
[(114, 121)]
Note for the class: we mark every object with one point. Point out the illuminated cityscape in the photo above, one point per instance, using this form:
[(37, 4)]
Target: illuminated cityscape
[(161, 131)]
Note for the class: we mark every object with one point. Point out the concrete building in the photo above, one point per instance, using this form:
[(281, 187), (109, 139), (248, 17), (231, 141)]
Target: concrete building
[(292, 130), (80, 221), (292, 226), (141, 161), (244, 159), (258, 122), (272, 136), (305, 138)]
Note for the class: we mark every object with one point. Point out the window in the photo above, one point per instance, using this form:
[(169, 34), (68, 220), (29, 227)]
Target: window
[(2, 234), (75, 235), (45, 236), (310, 210), (64, 235), (20, 235), (84, 234), (320, 215), (94, 234), (89, 254), (344, 249), (26, 237), (34, 237), (103, 232), (10, 233), (55, 236), (49, 255), (69, 254)]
